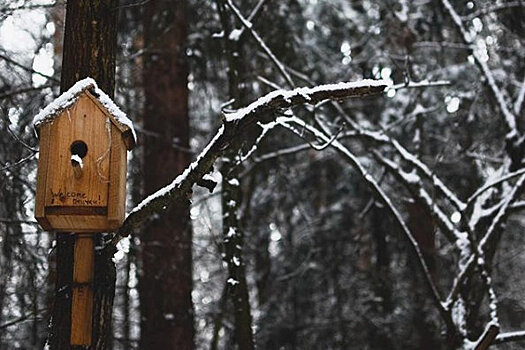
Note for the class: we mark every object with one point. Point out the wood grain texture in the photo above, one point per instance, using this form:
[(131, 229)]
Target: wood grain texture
[(95, 223), (103, 181), (85, 122), (125, 131), (43, 161), (82, 302), (117, 185)]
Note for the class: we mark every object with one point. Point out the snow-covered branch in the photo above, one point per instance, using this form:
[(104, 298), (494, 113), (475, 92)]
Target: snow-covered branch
[(467, 268), (230, 136), (416, 163), (305, 95), (519, 100), (383, 197), (509, 337), (419, 84), (413, 182), (248, 25), (509, 117), (486, 338), (494, 183), (493, 8)]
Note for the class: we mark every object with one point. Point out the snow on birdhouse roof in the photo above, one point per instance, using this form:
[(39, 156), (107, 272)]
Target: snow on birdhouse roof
[(68, 98)]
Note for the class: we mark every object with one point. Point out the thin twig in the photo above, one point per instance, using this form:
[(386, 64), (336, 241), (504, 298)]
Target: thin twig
[(509, 118), (247, 24)]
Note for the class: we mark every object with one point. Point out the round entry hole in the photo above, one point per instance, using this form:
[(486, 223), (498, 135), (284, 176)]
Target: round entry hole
[(79, 148)]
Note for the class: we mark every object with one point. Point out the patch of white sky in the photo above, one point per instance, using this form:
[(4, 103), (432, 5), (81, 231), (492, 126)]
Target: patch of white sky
[(452, 103), (20, 34), (384, 73)]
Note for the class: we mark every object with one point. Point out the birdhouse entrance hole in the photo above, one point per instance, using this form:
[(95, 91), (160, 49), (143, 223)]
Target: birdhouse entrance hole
[(79, 148)]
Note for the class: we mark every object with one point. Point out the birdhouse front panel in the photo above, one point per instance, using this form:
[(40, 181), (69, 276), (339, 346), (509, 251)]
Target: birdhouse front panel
[(80, 138), (81, 180)]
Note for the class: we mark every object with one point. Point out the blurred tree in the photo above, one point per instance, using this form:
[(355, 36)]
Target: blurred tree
[(166, 243)]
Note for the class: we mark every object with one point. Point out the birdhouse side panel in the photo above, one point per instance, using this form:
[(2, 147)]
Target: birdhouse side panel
[(117, 185), (82, 131), (42, 170)]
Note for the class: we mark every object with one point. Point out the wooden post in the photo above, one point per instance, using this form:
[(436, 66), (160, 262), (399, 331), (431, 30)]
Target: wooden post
[(82, 304)]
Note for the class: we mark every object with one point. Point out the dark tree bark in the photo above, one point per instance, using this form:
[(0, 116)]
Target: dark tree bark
[(421, 223), (90, 43), (90, 40), (233, 235), (166, 280)]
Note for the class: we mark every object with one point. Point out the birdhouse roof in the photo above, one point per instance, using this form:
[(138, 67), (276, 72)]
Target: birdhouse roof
[(68, 98)]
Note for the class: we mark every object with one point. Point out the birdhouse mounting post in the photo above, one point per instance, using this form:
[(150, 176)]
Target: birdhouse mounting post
[(82, 302)]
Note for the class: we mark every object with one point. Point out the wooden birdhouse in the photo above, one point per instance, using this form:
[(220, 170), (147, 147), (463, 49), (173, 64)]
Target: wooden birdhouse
[(81, 179)]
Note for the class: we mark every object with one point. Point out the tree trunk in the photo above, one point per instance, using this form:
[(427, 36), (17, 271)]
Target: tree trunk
[(89, 50), (166, 280), (421, 223), (233, 235)]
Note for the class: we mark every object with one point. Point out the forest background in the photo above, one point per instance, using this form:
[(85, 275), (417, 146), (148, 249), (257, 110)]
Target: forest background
[(391, 221)]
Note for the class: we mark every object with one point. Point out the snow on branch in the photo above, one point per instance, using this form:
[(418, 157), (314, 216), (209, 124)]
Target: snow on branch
[(416, 163), (419, 84), (467, 268), (289, 98), (248, 25), (493, 8), (412, 182), (519, 100), (509, 117), (486, 338), (231, 136), (509, 337), (383, 197), (494, 183)]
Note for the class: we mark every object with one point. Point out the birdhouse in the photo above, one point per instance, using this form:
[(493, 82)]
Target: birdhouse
[(81, 178)]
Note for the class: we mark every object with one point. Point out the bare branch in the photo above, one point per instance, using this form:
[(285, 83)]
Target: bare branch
[(19, 162), (24, 90), (22, 318), (248, 25), (15, 136)]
